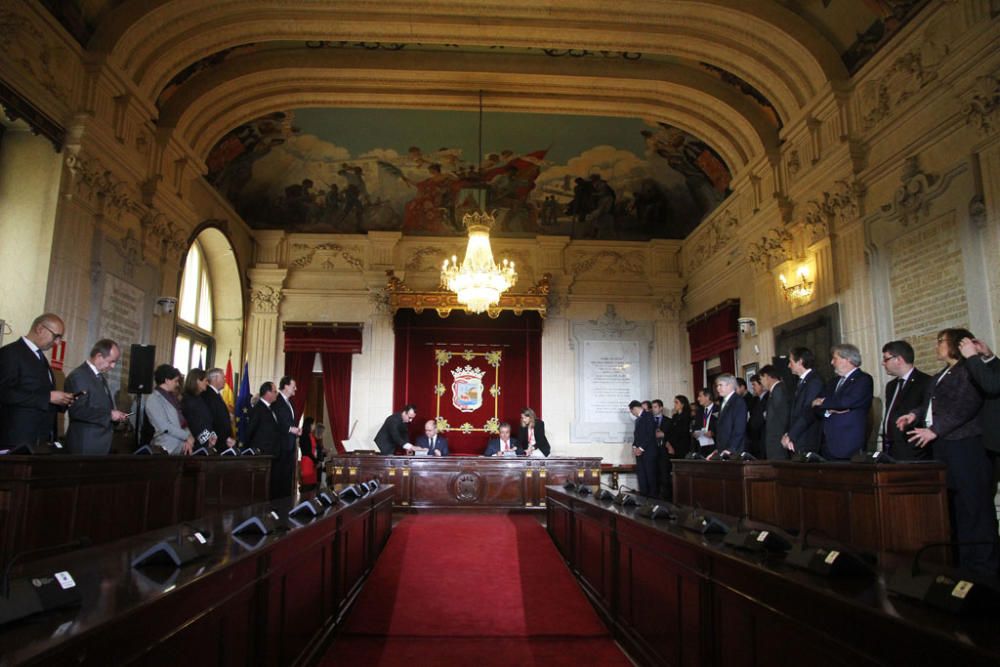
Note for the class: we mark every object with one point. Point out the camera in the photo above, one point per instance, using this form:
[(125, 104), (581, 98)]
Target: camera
[(748, 325)]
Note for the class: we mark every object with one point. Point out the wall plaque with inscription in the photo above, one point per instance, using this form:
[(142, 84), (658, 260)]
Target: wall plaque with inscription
[(612, 362)]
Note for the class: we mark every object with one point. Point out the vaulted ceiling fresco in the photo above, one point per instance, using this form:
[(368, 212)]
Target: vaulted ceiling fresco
[(357, 170)]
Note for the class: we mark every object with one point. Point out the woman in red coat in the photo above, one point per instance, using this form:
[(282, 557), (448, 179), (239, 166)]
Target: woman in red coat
[(307, 443)]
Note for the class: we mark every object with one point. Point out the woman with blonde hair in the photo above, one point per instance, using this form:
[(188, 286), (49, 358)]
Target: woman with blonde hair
[(531, 435)]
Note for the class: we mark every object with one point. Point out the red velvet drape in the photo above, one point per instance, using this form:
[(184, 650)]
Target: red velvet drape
[(299, 367), (517, 337), (335, 346), (337, 391), (715, 334)]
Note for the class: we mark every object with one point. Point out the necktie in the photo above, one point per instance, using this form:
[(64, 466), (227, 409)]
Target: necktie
[(432, 442), (41, 357), (107, 389), (840, 383)]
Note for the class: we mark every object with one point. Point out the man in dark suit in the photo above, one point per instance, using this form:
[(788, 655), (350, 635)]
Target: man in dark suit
[(756, 406), (531, 435), (731, 432), (645, 450), (664, 469), (984, 369), (804, 428), (222, 424), (29, 400), (394, 433), (503, 443), (92, 417), (263, 434), (844, 404), (777, 414), (430, 441), (907, 391), (283, 466), (706, 422)]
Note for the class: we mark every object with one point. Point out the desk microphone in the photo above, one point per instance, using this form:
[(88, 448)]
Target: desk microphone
[(81, 543)]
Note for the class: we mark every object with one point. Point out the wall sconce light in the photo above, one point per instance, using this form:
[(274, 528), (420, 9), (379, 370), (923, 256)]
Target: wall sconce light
[(801, 290)]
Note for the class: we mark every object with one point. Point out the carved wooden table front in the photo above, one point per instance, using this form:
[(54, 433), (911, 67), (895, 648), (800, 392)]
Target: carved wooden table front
[(465, 482)]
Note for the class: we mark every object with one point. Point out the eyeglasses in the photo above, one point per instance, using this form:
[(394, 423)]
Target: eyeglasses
[(886, 360), (55, 336)]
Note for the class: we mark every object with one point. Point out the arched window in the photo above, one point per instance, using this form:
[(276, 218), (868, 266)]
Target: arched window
[(194, 345)]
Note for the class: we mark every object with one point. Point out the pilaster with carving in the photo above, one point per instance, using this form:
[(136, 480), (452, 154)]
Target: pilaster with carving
[(262, 324)]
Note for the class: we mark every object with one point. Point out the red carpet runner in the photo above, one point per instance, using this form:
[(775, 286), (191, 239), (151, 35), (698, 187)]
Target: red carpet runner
[(479, 590)]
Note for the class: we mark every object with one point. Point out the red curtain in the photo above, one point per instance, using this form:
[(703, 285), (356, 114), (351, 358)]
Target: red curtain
[(335, 346), (337, 391), (518, 375), (714, 334)]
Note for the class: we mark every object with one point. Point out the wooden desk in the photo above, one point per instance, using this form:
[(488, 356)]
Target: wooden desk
[(880, 508), (49, 500), (674, 597), (272, 603), (465, 482)]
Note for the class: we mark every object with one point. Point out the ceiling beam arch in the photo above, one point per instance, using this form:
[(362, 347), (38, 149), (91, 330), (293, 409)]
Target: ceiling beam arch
[(202, 111)]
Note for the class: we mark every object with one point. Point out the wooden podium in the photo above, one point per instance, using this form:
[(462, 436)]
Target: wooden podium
[(882, 508), (465, 482)]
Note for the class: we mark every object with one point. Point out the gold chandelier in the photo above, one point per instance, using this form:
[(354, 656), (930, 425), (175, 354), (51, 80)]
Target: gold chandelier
[(478, 281)]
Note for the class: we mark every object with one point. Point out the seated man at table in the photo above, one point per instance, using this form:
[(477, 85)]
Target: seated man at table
[(430, 442), (504, 445)]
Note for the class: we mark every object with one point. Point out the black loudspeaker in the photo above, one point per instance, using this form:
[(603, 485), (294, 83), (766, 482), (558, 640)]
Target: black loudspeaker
[(140, 369), (702, 523)]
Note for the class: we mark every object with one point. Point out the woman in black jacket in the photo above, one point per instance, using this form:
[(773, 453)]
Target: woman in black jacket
[(679, 432), (195, 410), (949, 423)]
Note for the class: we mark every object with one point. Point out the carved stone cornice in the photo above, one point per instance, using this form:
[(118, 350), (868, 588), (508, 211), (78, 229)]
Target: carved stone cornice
[(774, 247), (158, 228), (400, 295), (25, 45), (264, 299), (912, 198), (612, 324), (982, 104), (841, 205)]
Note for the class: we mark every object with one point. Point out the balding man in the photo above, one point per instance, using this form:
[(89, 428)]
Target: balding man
[(844, 404), (92, 417), (29, 400), (430, 442)]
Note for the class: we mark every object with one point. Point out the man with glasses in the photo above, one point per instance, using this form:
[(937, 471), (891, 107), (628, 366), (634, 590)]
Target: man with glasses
[(907, 391), (29, 400)]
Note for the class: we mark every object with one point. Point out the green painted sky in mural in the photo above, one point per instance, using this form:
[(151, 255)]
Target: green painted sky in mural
[(360, 130)]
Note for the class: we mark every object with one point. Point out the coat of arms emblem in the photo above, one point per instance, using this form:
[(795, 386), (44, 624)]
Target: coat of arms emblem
[(467, 389)]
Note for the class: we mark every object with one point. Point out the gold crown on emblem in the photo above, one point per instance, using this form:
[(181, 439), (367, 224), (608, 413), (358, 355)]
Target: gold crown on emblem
[(467, 371)]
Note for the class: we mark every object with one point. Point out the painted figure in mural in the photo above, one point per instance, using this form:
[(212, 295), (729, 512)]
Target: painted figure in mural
[(428, 210), (602, 214)]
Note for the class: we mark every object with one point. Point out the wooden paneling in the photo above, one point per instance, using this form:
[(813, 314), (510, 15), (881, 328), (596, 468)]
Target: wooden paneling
[(681, 598), (51, 500), (273, 605), (878, 508), (465, 482)]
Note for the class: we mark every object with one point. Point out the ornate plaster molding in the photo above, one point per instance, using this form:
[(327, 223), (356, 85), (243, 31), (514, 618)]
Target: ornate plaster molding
[(612, 324), (264, 299), (714, 236), (310, 252), (774, 247), (25, 45), (982, 104)]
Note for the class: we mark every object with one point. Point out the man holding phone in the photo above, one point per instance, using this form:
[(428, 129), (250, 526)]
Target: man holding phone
[(93, 414)]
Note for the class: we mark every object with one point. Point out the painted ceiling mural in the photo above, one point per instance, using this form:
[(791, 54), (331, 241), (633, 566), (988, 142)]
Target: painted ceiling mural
[(418, 171)]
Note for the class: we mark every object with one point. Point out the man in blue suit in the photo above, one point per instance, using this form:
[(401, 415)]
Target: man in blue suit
[(803, 427), (503, 444), (430, 441), (731, 431), (844, 403)]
